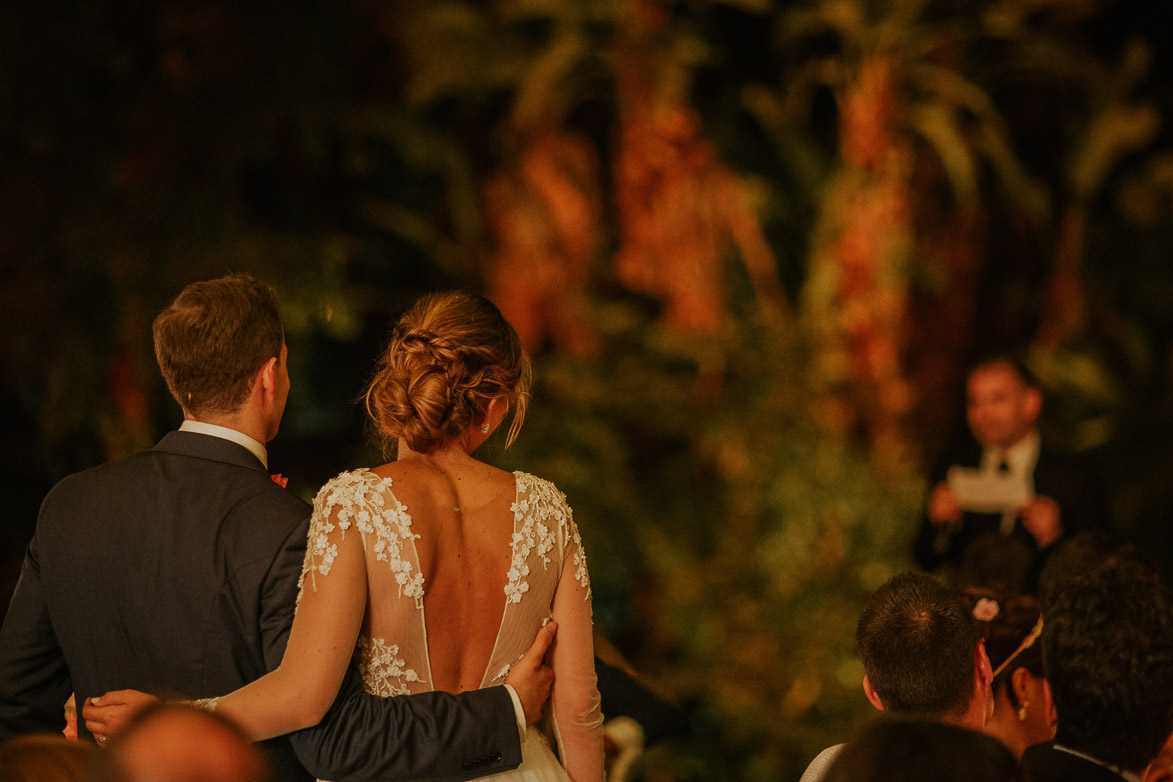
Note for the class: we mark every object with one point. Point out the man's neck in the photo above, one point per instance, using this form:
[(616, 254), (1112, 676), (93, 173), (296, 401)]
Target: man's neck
[(240, 421), (1024, 441), (970, 720), (230, 433)]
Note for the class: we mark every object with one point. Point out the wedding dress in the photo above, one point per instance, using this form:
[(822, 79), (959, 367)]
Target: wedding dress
[(393, 648)]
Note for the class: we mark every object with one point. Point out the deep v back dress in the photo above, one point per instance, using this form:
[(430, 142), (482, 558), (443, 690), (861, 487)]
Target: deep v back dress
[(546, 558)]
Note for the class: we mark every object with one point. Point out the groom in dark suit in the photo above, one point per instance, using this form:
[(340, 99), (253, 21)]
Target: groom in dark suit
[(175, 571)]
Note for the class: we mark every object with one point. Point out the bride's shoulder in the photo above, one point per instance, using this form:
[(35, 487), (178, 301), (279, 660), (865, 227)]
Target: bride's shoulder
[(343, 487), (535, 489)]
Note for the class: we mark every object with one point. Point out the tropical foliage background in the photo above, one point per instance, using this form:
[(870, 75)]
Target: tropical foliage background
[(751, 245)]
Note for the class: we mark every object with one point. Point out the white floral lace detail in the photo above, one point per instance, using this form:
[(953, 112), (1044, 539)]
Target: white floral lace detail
[(209, 704), (384, 673), (580, 564), (540, 508), (359, 499)]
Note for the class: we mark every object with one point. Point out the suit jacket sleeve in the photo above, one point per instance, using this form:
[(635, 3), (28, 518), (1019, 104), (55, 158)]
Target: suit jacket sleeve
[(366, 737), (1078, 486), (34, 680)]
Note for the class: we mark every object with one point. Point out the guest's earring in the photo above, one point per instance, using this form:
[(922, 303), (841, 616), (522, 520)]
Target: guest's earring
[(485, 428), (1022, 712)]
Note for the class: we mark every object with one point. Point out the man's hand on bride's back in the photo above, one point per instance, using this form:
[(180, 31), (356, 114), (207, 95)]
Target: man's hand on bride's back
[(531, 678), (107, 714)]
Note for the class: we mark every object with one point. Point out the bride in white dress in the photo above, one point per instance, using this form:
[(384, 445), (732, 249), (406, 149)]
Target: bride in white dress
[(440, 567)]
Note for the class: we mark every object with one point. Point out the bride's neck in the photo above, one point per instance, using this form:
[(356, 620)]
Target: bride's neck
[(449, 457)]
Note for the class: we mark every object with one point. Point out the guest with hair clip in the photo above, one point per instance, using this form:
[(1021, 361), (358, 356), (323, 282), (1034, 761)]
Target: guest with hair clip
[(1020, 714)]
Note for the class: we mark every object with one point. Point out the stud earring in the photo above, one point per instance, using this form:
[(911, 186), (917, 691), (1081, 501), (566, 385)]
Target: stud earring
[(1022, 712), (485, 428)]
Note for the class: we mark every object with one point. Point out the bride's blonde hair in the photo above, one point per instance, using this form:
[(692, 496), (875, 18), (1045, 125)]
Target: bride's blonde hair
[(449, 355)]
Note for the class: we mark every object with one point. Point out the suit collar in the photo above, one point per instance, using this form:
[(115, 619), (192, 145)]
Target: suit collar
[(1046, 762), (204, 446), (256, 448)]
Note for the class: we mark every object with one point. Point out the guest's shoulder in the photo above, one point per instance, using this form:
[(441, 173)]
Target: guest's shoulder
[(818, 767)]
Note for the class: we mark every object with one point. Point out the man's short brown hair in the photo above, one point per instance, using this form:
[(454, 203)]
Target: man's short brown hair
[(213, 339), (917, 640)]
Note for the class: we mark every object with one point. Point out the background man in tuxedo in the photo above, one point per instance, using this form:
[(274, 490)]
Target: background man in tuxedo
[(1067, 494), (923, 658), (175, 571), (1108, 656)]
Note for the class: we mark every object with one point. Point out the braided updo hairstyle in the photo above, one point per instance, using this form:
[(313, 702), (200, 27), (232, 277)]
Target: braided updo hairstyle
[(449, 355)]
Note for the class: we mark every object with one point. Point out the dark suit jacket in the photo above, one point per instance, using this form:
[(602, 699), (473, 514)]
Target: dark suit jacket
[(1069, 480), (1044, 763), (175, 571)]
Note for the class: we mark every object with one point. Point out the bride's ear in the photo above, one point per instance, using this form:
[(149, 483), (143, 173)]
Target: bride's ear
[(495, 411)]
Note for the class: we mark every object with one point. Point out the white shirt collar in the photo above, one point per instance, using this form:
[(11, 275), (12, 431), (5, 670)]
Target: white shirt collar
[(1020, 457), (224, 433), (1126, 774)]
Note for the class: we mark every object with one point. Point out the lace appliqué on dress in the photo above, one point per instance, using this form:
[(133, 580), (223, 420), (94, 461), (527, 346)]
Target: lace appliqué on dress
[(384, 673), (359, 499), (540, 509), (208, 704)]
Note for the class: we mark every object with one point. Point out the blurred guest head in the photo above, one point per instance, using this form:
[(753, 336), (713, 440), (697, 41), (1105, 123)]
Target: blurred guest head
[(1082, 553), (48, 758), (170, 742), (1002, 401), (1020, 706), (922, 751), (453, 363), (214, 339), (922, 653), (997, 564), (1108, 655)]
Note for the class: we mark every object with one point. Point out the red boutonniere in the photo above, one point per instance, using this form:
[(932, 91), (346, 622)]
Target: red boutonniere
[(280, 480)]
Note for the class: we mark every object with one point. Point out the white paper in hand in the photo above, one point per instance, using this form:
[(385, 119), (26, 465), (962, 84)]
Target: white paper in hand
[(982, 491)]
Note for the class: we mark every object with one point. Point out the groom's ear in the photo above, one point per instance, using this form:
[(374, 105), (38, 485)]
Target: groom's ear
[(267, 377)]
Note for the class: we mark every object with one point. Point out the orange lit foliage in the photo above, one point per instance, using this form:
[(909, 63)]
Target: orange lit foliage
[(857, 298), (680, 209), (543, 211)]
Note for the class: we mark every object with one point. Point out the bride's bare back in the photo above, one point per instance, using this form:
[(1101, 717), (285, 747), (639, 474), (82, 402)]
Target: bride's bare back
[(465, 526)]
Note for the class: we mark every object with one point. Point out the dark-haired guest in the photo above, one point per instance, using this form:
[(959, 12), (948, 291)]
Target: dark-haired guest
[(923, 658), (1020, 716), (1084, 552), (1108, 655), (1005, 480), (921, 751)]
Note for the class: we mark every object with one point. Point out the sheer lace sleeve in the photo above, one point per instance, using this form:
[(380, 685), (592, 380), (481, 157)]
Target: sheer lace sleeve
[(578, 719), (359, 501)]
